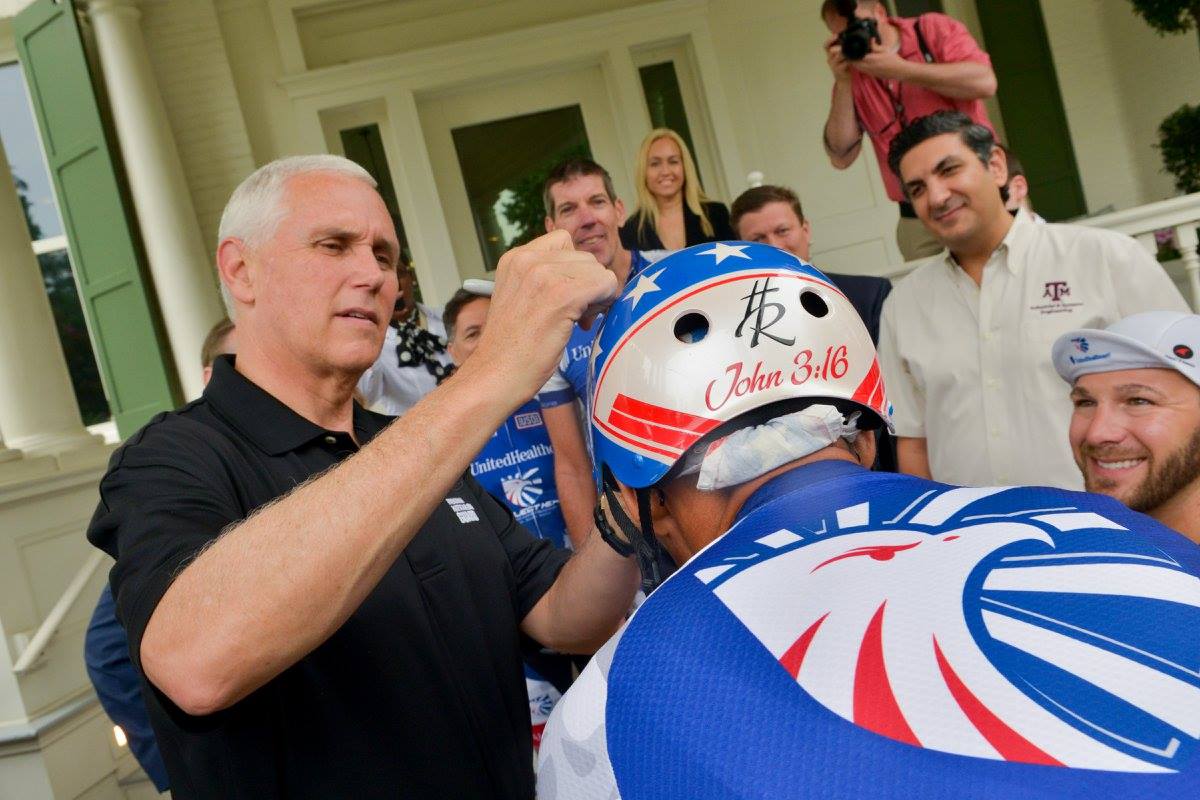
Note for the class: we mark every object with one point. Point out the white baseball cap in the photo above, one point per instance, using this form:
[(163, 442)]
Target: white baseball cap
[(1154, 340), (479, 286)]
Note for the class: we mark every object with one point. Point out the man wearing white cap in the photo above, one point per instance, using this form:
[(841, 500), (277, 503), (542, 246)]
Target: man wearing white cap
[(1135, 431)]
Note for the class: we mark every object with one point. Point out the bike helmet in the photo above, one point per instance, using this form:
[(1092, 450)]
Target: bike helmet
[(713, 338)]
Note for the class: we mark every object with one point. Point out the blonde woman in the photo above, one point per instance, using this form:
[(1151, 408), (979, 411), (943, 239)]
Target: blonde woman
[(672, 212)]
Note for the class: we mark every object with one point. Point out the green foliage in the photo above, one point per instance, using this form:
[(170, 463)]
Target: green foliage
[(35, 232), (1168, 16), (68, 319), (73, 335), (525, 210), (1179, 143)]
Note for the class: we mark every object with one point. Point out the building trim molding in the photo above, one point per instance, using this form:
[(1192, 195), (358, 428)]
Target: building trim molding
[(443, 66), (15, 734)]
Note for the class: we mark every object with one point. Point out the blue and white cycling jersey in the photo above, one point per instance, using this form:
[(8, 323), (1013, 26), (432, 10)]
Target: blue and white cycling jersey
[(872, 635), (569, 381), (517, 466)]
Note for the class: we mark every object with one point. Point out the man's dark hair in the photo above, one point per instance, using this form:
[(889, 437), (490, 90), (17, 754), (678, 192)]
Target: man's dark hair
[(569, 170), (214, 343), (973, 135), (1015, 167), (833, 8), (453, 308), (755, 198)]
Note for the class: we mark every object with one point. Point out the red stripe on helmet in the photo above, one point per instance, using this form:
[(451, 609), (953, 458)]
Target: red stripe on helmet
[(616, 434), (668, 437), (870, 388), (660, 416)]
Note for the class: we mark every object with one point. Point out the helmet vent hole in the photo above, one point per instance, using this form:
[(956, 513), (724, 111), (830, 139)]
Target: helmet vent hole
[(814, 304), (692, 327)]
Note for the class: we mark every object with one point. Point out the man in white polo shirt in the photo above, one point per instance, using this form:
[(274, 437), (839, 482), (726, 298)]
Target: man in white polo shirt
[(965, 338), (1135, 431)]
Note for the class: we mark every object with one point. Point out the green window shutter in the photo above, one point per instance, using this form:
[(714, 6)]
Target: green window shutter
[(117, 302), (1031, 104)]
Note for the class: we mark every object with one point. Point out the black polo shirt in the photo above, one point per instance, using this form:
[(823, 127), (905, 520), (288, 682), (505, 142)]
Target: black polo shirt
[(419, 694)]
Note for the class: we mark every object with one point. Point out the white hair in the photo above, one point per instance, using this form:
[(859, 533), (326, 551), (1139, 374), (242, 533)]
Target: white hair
[(256, 208)]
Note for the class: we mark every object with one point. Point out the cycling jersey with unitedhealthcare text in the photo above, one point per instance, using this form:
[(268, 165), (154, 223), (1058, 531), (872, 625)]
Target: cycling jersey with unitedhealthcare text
[(516, 466)]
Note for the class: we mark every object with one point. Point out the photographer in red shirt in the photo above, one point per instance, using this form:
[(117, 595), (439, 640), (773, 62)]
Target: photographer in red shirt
[(889, 71)]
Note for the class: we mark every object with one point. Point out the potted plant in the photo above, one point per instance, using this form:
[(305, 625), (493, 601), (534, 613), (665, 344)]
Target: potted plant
[(1179, 133), (1179, 143)]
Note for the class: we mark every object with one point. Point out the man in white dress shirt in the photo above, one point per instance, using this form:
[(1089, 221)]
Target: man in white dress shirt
[(965, 338)]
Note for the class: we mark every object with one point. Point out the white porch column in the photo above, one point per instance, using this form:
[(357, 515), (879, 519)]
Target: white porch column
[(38, 411), (1189, 249), (184, 280)]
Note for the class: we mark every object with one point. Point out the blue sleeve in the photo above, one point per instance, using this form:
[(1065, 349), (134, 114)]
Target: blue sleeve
[(106, 655)]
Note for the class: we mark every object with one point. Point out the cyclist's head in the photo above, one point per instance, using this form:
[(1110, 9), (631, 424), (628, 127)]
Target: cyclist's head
[(721, 364)]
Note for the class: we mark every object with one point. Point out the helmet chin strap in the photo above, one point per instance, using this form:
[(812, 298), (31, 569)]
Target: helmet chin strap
[(632, 538)]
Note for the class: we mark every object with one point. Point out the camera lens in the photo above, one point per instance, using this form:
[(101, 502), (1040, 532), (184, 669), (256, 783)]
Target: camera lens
[(856, 39), (856, 43)]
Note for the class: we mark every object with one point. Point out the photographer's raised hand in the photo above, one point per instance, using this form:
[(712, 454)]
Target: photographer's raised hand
[(883, 62), (838, 64)]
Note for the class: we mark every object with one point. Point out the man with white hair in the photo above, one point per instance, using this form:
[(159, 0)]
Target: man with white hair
[(323, 604), (1135, 430)]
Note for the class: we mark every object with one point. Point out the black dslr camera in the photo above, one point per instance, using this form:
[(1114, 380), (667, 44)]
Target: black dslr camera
[(856, 39)]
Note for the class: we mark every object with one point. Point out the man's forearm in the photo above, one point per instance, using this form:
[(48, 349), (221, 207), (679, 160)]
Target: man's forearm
[(963, 80), (271, 589), (577, 500), (588, 601), (572, 470), (912, 456), (842, 134)]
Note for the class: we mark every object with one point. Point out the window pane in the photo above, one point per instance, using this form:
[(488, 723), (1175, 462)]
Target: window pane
[(364, 146), (19, 134), (660, 85), (504, 163), (73, 335), (914, 8)]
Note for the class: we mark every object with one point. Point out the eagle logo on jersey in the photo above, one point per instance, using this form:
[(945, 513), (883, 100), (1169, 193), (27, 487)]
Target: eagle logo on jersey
[(1031, 636), (523, 488)]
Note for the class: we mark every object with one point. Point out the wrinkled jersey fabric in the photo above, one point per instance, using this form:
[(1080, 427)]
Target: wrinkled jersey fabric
[(871, 635)]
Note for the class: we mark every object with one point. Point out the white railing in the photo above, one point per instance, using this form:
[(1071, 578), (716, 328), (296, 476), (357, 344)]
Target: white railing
[(1179, 215), (46, 631)]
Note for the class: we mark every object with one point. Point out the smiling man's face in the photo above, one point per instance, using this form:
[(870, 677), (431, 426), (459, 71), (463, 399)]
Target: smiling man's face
[(1136, 435), (583, 209), (955, 194)]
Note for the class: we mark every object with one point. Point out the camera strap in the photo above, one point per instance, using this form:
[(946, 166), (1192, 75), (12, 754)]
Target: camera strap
[(926, 53), (897, 95)]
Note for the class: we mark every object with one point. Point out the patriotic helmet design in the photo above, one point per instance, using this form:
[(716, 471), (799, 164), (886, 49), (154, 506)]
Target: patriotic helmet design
[(710, 333)]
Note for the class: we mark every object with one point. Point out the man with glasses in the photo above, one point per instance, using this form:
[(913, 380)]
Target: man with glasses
[(914, 67)]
